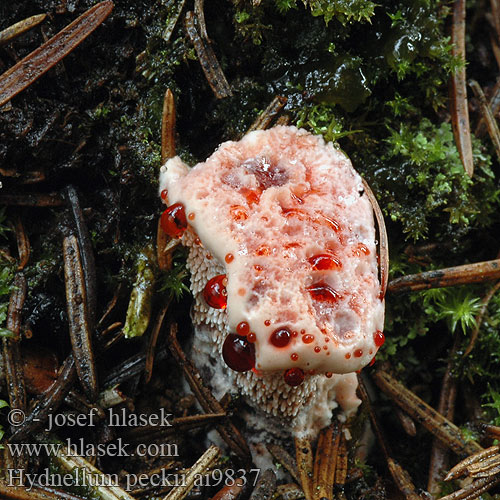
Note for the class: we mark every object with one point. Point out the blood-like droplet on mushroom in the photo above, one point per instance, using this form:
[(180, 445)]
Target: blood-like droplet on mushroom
[(173, 220), (323, 293), (324, 262), (243, 328), (281, 337), (358, 353), (252, 197), (294, 356), (361, 250), (251, 337), (294, 377), (215, 293), (379, 338), (164, 194), (238, 213), (267, 322), (317, 349), (263, 250), (238, 353), (307, 339), (229, 258)]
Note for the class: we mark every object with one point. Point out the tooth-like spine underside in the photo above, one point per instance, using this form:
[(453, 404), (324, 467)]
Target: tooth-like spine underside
[(267, 391)]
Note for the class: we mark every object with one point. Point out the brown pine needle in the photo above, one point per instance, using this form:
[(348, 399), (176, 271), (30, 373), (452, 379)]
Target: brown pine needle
[(459, 105), (38, 62)]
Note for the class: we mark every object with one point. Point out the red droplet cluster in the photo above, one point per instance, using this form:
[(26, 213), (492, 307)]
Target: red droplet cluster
[(324, 262), (238, 353), (215, 293), (323, 293), (173, 220), (281, 337), (379, 338), (294, 377)]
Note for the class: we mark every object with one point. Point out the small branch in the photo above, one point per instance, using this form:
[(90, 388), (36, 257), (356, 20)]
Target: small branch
[(451, 276)]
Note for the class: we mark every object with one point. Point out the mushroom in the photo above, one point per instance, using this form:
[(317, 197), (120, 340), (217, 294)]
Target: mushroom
[(282, 254)]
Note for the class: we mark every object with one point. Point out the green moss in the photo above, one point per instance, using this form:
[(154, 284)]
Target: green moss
[(345, 11), (6, 278)]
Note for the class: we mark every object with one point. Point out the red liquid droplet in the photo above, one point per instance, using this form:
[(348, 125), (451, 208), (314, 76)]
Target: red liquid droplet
[(317, 349), (358, 353), (250, 195), (243, 328), (164, 194), (294, 356), (329, 222), (280, 337), (215, 293), (294, 377), (173, 220), (348, 355), (229, 258), (323, 293), (324, 262), (307, 339), (267, 322), (263, 250), (238, 353), (251, 337), (379, 338), (238, 213), (257, 268), (294, 212), (361, 249), (328, 374), (191, 216)]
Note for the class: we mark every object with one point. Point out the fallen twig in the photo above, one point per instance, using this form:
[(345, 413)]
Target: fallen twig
[(459, 105), (451, 276)]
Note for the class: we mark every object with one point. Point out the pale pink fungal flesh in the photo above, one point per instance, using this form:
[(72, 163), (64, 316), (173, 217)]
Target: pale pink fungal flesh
[(263, 210)]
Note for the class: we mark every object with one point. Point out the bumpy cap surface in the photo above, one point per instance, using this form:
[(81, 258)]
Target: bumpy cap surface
[(285, 218)]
